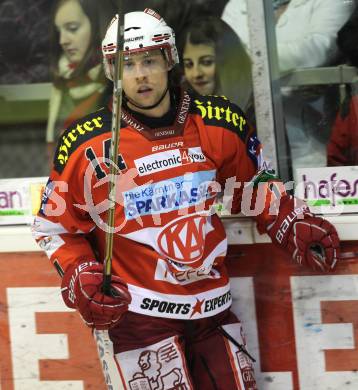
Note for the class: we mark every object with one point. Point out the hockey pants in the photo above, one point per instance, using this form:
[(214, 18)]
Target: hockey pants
[(151, 353)]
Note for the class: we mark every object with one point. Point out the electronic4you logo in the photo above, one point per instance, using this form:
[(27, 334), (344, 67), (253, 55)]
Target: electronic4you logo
[(168, 159)]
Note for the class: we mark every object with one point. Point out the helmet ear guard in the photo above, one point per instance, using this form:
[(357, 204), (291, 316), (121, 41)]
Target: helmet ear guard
[(108, 65), (143, 31)]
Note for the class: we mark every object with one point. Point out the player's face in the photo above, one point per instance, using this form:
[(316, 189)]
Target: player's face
[(200, 67), (145, 79), (74, 30)]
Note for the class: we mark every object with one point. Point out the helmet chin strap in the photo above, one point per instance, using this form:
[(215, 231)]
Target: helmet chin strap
[(127, 99)]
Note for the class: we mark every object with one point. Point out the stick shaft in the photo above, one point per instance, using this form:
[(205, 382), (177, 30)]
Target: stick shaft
[(115, 132)]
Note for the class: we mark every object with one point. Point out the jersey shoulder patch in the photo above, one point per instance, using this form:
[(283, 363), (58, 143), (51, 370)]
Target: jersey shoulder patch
[(78, 132), (219, 111)]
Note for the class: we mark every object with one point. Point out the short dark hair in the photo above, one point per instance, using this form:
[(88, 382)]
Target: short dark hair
[(233, 70)]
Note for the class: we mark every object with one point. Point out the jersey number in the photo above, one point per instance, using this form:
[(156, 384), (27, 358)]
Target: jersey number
[(92, 157)]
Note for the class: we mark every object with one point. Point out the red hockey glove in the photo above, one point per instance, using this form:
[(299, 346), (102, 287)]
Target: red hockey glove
[(311, 240), (82, 290)]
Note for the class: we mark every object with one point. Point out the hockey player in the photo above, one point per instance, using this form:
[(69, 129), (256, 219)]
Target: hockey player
[(168, 324)]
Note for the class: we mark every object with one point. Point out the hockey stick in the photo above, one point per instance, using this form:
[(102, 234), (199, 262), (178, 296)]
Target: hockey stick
[(116, 124)]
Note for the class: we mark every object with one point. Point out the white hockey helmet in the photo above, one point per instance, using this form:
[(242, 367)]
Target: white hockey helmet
[(143, 31)]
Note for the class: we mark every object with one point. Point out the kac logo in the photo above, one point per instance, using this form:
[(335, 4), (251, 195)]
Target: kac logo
[(183, 240)]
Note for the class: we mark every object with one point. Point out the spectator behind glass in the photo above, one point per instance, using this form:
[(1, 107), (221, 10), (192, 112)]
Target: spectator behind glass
[(306, 37), (80, 86), (215, 61), (306, 32), (235, 14), (342, 148)]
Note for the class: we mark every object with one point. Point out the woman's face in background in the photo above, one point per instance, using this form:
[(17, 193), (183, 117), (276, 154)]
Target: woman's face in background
[(74, 29), (199, 67)]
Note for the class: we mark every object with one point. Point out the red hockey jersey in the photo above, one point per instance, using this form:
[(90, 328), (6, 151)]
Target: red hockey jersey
[(168, 246), (342, 148)]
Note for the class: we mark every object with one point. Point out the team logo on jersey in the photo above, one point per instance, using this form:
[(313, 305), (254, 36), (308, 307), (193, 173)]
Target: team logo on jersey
[(46, 194), (74, 137), (171, 145), (214, 114), (184, 108), (213, 304), (199, 308), (168, 159), (183, 240), (254, 150), (173, 194), (187, 276), (164, 306)]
